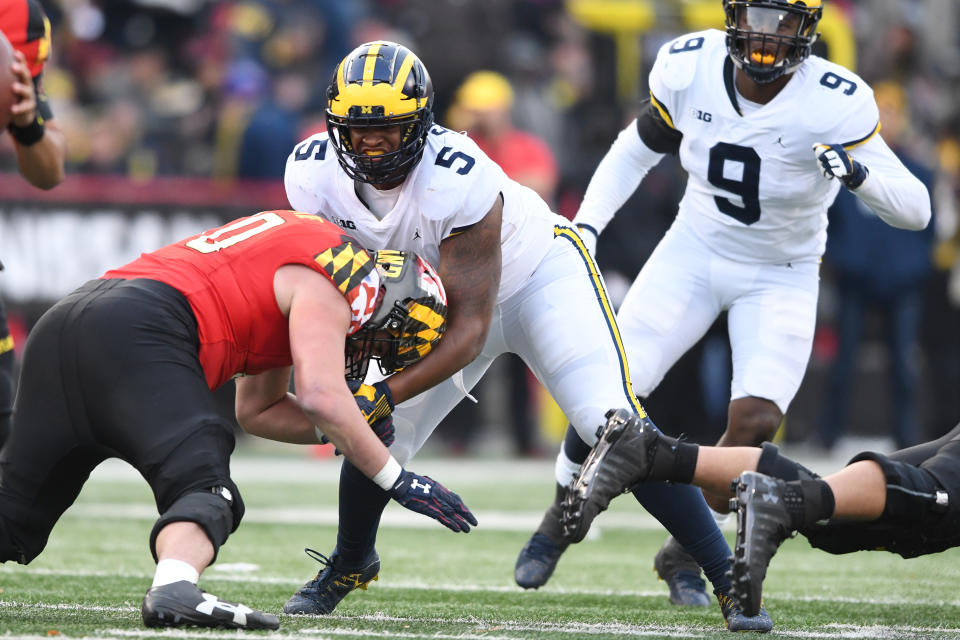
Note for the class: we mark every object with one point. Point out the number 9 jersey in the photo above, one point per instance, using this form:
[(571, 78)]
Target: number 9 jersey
[(754, 193)]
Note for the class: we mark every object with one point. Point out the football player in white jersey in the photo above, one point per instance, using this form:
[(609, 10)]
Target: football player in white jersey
[(517, 277), (768, 135)]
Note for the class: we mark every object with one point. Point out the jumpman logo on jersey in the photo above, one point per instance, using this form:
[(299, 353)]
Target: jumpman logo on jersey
[(780, 142), (416, 234)]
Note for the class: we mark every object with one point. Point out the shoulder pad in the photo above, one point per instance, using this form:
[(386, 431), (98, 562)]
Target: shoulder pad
[(308, 165), (677, 61), (838, 105), (455, 176)]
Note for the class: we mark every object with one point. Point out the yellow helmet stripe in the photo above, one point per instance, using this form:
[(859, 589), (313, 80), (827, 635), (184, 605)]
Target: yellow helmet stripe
[(371, 63), (404, 71), (341, 83), (426, 315)]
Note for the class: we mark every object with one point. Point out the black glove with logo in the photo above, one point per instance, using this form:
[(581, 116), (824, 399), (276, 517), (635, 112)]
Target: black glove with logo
[(425, 495)]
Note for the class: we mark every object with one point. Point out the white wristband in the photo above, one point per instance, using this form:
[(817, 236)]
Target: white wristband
[(388, 474)]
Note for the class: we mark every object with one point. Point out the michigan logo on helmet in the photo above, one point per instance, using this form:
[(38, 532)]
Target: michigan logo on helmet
[(770, 38), (380, 84), (409, 321)]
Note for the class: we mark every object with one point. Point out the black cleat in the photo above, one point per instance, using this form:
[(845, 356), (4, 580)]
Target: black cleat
[(181, 604), (537, 560), (763, 523), (737, 620), (682, 574), (321, 595), (619, 460), (539, 557)]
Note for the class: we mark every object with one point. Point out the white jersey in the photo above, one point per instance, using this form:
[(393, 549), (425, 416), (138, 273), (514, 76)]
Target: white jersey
[(452, 187), (754, 192)]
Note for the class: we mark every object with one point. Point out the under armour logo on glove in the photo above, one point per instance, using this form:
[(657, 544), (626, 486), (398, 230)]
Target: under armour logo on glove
[(835, 162), (417, 485), (435, 501)]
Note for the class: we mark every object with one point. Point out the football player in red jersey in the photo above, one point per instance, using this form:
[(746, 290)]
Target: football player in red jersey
[(124, 367), (41, 145)]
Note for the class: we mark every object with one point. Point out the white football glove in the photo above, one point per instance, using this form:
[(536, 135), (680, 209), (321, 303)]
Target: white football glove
[(589, 236), (835, 162)]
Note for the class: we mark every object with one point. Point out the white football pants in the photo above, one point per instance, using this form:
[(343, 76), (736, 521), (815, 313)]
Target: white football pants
[(684, 286), (562, 325)]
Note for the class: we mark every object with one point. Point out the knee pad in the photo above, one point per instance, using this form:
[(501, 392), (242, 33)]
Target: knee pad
[(217, 510), (913, 495), (772, 464)]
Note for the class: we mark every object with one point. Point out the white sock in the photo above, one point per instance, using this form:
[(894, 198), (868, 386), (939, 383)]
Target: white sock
[(170, 570), (565, 468)]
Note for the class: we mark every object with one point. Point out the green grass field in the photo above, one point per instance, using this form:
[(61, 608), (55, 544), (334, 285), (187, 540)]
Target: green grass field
[(435, 584)]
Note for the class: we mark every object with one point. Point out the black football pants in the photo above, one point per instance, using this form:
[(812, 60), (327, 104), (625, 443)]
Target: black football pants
[(109, 371)]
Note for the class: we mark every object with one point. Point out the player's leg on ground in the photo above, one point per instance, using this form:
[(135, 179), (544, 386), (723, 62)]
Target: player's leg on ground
[(668, 309), (586, 381), (44, 466), (354, 561)]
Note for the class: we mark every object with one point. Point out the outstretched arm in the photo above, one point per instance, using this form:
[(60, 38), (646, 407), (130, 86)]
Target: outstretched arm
[(319, 318)]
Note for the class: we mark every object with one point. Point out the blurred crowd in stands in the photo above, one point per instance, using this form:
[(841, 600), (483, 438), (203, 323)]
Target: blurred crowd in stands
[(217, 89)]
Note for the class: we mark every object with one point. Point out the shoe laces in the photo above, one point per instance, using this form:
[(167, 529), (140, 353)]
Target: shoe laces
[(728, 604), (341, 578)]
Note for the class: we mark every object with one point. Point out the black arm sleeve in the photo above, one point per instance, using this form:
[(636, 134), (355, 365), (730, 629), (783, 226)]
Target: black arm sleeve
[(654, 130)]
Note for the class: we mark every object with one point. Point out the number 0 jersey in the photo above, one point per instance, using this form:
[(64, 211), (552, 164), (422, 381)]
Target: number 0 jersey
[(226, 274), (452, 188), (754, 192)]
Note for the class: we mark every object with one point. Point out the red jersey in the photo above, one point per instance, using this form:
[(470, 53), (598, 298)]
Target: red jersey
[(226, 274), (28, 30)]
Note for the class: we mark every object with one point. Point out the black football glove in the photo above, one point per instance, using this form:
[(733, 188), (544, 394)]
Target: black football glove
[(835, 162), (425, 495), (375, 400)]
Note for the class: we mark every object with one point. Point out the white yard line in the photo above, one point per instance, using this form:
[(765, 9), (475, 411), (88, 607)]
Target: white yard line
[(213, 574), (394, 516)]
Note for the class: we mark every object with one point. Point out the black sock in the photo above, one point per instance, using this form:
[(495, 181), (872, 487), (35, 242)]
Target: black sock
[(361, 504), (808, 502), (673, 460)]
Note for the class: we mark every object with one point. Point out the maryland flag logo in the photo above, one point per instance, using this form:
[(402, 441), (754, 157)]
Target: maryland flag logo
[(352, 270)]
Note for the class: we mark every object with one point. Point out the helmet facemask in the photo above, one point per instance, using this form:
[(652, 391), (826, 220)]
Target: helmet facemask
[(380, 84), (770, 38), (385, 168), (410, 319)]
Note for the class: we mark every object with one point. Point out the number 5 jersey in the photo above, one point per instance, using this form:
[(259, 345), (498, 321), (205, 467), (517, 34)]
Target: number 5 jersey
[(452, 188)]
